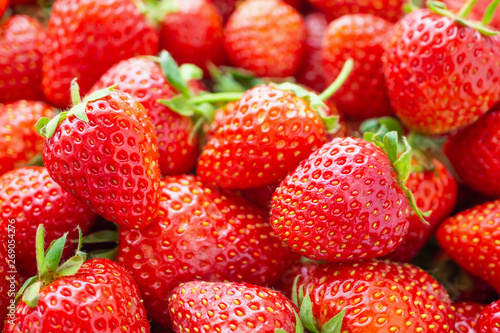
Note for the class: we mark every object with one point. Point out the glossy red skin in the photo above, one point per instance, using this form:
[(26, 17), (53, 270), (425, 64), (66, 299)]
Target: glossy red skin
[(21, 39), (360, 37), (200, 234), (466, 316), (477, 12), (489, 320), (265, 37), (390, 10), (111, 162), (441, 75), (474, 154), (300, 269), (145, 81), (9, 284), (470, 239), (343, 203), (311, 72), (378, 296), (265, 137), (19, 140), (434, 191), (194, 34), (85, 38), (227, 307), (30, 197), (112, 303), (227, 7)]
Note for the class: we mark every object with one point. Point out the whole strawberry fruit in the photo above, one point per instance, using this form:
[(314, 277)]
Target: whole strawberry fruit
[(200, 234), (230, 307), (104, 152), (21, 38), (85, 38), (489, 320), (442, 75), (265, 37), (466, 315), (390, 10)]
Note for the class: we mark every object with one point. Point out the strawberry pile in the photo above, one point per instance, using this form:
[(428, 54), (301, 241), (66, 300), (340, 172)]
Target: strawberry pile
[(274, 166)]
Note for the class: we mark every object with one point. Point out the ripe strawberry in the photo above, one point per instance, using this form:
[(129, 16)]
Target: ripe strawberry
[(471, 239), (8, 278), (194, 34), (361, 37), (227, 7), (390, 10), (19, 141), (21, 38), (466, 316), (104, 152), (265, 37), (477, 12), (474, 154), (30, 197), (230, 307), (489, 320), (200, 234), (85, 38), (442, 75)]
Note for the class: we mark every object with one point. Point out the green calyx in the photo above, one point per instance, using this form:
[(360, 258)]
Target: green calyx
[(102, 237), (156, 10), (46, 127), (48, 266)]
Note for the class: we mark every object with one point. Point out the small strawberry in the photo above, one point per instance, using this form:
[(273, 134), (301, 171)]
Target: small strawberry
[(231, 307), (104, 152), (21, 38), (391, 10), (441, 70), (30, 197), (489, 320), (265, 37), (85, 38), (8, 277), (19, 141), (466, 316)]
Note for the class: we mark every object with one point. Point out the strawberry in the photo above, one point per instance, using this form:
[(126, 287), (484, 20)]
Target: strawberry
[(8, 278), (85, 38), (231, 307), (201, 234), (466, 315), (79, 296), (477, 11), (376, 297), (227, 7), (21, 38), (390, 10), (194, 33), (361, 37), (474, 154), (471, 239), (441, 70), (104, 152), (19, 141), (30, 197), (489, 320), (265, 37)]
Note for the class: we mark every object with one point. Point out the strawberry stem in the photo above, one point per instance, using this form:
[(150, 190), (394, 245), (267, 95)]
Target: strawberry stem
[(466, 8), (217, 97), (490, 12), (339, 81), (75, 92)]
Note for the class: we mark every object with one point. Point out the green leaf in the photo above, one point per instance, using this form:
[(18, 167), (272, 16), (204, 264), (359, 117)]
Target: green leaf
[(70, 267), (191, 72), (106, 254), (299, 328), (307, 316), (52, 258), (25, 286), (224, 82), (80, 240), (382, 125), (79, 112), (75, 92), (490, 12), (206, 110), (295, 291), (279, 330), (403, 163), (301, 92), (96, 95), (172, 73), (103, 236), (391, 145), (40, 247), (179, 104), (41, 124), (51, 126), (32, 294), (335, 324), (300, 295), (331, 123)]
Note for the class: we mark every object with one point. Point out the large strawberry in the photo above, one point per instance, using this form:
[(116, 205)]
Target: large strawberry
[(376, 297), (30, 197), (231, 307), (441, 70), (104, 152), (200, 233), (21, 38), (489, 320), (85, 38), (19, 141), (466, 316), (390, 10), (265, 37), (79, 296)]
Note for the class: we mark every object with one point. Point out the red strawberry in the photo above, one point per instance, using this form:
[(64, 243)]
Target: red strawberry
[(227, 7), (265, 37), (104, 152), (361, 37), (477, 12), (376, 297), (8, 277), (489, 320), (3, 6), (200, 234), (21, 38), (442, 75), (230, 307), (19, 141), (466, 315), (471, 239), (194, 33), (85, 38), (474, 154), (390, 10), (30, 197)]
